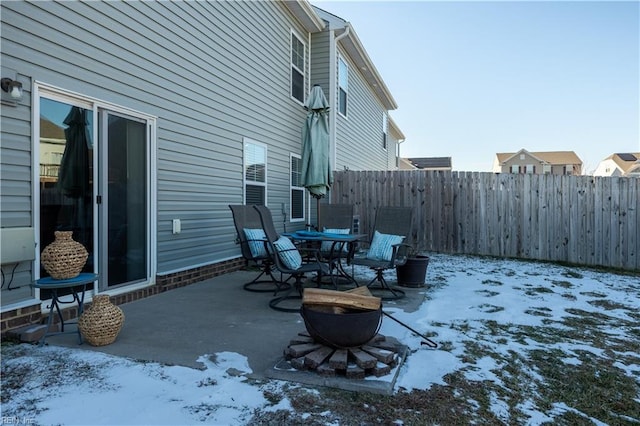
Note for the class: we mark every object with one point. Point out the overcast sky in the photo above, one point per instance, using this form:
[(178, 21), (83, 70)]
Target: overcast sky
[(475, 78)]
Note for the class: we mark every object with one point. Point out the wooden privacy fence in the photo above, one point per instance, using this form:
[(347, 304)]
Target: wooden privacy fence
[(583, 220)]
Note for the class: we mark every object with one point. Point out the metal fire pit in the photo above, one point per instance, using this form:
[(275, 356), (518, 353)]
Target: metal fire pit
[(345, 330)]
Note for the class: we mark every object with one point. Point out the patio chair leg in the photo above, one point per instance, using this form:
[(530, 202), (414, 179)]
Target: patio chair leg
[(267, 286), (294, 293), (384, 287)]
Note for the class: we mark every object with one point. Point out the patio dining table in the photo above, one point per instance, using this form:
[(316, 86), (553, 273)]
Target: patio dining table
[(336, 254)]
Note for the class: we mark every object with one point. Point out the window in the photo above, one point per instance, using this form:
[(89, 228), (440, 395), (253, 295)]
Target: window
[(297, 190), (297, 68), (546, 169), (343, 87), (255, 173), (385, 129), (568, 169), (531, 169), (515, 169)]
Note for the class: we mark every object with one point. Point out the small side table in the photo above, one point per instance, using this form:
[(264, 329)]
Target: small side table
[(78, 286)]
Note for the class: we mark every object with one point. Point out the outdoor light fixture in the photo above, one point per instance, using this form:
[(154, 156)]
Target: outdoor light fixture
[(12, 87)]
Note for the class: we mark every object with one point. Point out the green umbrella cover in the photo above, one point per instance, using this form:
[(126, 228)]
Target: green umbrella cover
[(317, 174)]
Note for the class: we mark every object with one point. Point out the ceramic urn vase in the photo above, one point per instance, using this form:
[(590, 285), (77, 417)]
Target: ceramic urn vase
[(100, 324), (64, 258)]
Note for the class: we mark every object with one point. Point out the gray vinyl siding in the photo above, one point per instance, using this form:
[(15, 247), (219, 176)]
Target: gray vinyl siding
[(321, 59), (232, 60), (15, 174), (359, 135)]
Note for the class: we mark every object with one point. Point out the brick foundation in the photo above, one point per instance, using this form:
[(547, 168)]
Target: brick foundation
[(21, 317)]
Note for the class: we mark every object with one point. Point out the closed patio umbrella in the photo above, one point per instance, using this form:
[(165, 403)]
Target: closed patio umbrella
[(73, 178), (317, 174)]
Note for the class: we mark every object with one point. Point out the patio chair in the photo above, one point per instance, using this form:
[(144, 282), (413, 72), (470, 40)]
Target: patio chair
[(288, 260), (387, 248), (253, 246), (335, 216), (336, 219)]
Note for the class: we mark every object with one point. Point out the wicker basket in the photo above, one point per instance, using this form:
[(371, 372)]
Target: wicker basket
[(101, 323), (64, 258)]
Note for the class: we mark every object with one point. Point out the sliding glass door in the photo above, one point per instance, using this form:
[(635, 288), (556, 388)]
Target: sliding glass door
[(95, 167), (124, 213)]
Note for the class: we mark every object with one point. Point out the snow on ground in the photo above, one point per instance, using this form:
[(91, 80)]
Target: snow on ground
[(470, 301)]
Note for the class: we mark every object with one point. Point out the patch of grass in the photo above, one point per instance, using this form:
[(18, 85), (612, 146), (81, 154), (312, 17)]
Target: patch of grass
[(332, 406), (487, 293), (445, 346), (593, 294), (490, 309), (607, 305), (563, 284), (491, 282), (538, 290), (539, 312), (595, 387), (569, 273)]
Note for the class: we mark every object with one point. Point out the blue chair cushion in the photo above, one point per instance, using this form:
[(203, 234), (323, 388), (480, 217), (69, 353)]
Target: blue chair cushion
[(256, 239), (382, 246), (326, 245), (289, 254)]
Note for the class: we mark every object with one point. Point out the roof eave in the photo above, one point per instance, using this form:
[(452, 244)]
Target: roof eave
[(359, 56), (393, 127), (303, 11)]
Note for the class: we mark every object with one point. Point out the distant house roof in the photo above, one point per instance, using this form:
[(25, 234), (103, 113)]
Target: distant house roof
[(550, 157), (431, 162), (404, 164), (50, 131), (625, 161)]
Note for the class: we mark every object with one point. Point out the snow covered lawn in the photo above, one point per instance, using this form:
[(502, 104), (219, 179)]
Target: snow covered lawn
[(520, 343)]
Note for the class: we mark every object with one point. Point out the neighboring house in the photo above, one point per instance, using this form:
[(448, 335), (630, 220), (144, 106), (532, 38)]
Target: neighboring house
[(405, 164), (431, 163), (620, 164), (551, 162), (394, 140), (634, 171), (179, 109)]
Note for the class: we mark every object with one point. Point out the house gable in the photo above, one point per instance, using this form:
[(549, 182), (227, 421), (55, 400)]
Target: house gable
[(618, 164), (556, 162)]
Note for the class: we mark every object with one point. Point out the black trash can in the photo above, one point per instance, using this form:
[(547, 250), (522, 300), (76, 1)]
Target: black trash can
[(414, 272)]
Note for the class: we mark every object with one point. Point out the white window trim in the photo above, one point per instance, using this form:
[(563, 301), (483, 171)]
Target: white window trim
[(301, 188), (305, 90), (346, 89), (244, 168)]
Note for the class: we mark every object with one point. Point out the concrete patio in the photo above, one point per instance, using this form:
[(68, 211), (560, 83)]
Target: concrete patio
[(218, 315)]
